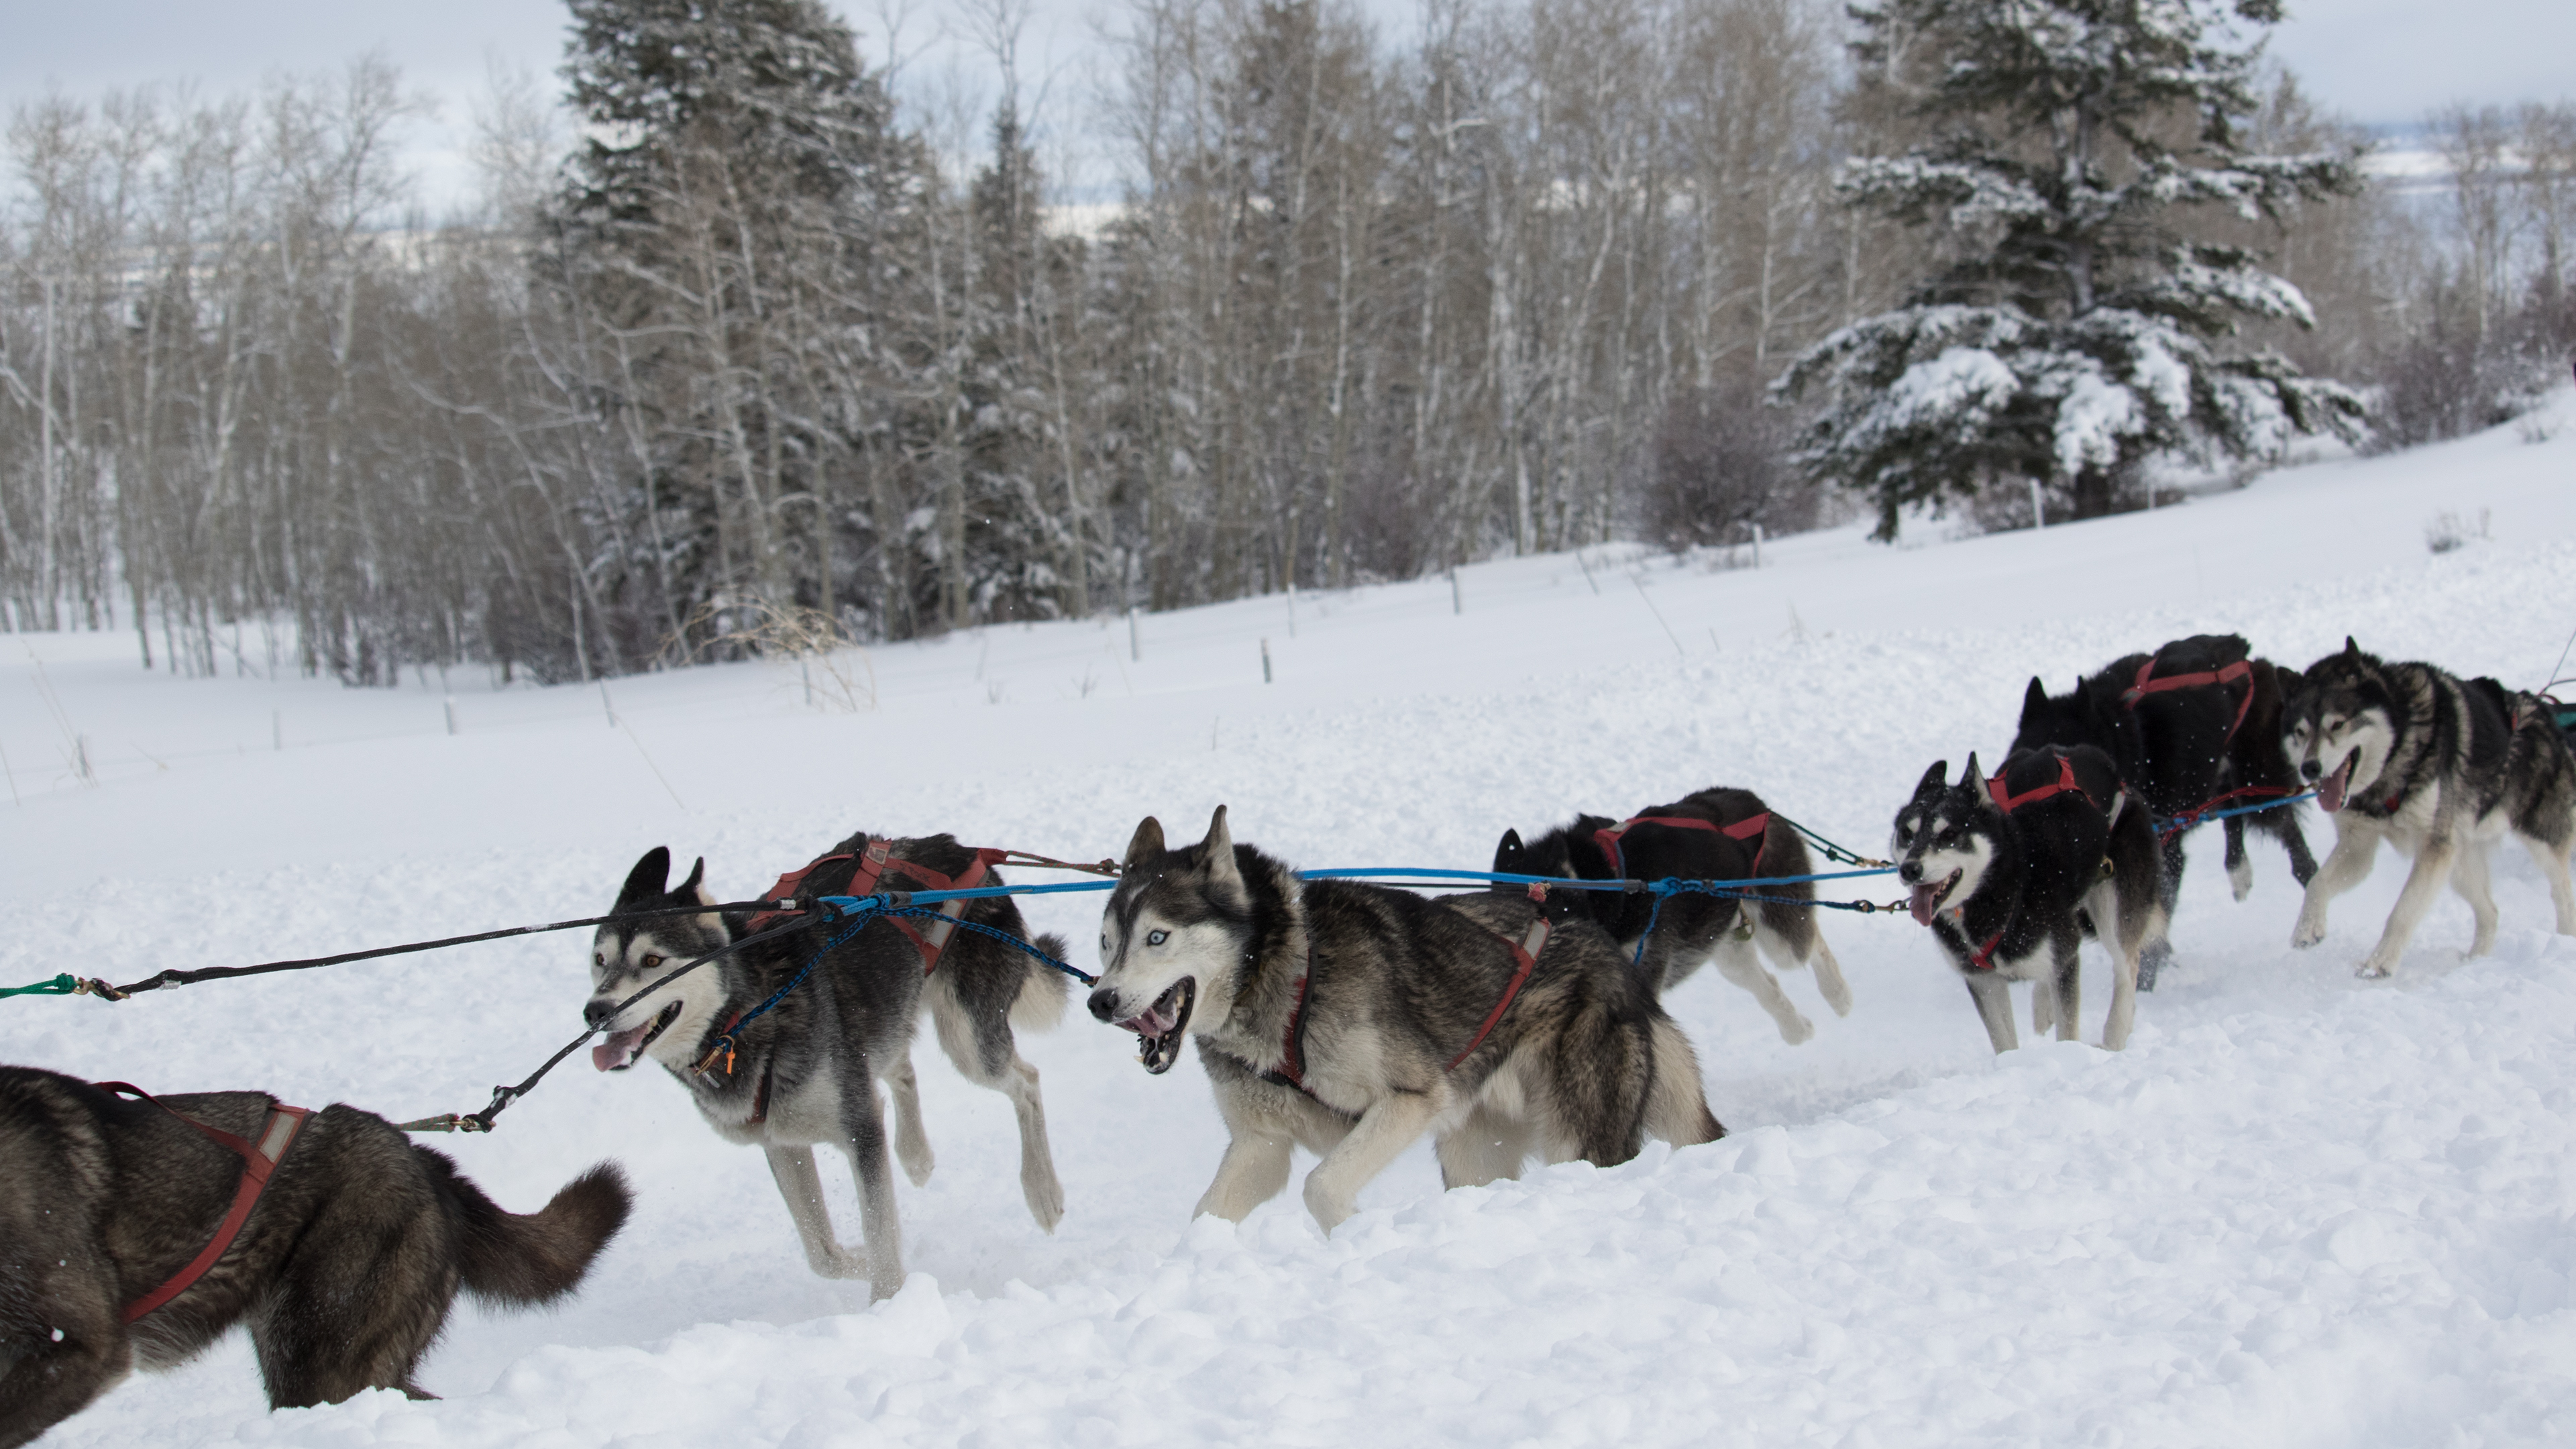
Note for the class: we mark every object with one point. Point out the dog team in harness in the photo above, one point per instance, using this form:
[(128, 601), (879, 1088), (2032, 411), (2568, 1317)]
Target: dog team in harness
[(1518, 1022)]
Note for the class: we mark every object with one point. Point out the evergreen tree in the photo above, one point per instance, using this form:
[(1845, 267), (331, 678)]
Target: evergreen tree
[(2076, 324)]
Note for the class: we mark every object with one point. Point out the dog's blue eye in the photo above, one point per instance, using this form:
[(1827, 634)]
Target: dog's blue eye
[(1156, 938)]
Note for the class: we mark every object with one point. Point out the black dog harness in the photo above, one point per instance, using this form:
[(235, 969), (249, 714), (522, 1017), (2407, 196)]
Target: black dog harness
[(259, 1162), (1525, 949)]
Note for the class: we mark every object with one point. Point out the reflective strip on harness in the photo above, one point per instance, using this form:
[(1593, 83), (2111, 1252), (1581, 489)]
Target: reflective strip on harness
[(259, 1161), (1751, 827), (2063, 784), (2147, 685)]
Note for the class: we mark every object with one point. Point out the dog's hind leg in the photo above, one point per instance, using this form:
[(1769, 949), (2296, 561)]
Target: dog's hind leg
[(981, 1045), (793, 1170), (1993, 1000), (1253, 1171), (2469, 879), (1787, 948), (2347, 865), (911, 1143), (1391, 1124), (60, 1342), (2240, 871), (2552, 860), (1737, 962), (1676, 1103), (358, 1299), (2065, 980)]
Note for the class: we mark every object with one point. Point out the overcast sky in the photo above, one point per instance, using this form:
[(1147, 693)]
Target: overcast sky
[(2378, 61)]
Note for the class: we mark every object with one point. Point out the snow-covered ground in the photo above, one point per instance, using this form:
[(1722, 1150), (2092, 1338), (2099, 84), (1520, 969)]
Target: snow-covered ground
[(2299, 1209)]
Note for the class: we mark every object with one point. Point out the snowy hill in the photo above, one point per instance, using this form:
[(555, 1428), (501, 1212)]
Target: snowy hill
[(2299, 1209)]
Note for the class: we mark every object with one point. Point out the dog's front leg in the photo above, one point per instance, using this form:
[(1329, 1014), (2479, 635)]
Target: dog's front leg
[(1993, 996), (2240, 871), (1255, 1168), (793, 1170), (2469, 878), (911, 1142), (2347, 865), (79, 1352), (1394, 1122), (2424, 883)]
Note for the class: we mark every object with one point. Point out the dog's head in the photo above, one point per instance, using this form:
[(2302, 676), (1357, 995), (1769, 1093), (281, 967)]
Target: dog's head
[(2339, 724), (2051, 719), (1568, 852), (625, 956), (1945, 839), (1174, 939)]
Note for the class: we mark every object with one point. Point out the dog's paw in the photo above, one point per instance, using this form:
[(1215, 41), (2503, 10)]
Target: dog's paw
[(2374, 969), (1046, 1199), (2307, 933), (1795, 1028), (2240, 878), (1331, 1209), (917, 1160)]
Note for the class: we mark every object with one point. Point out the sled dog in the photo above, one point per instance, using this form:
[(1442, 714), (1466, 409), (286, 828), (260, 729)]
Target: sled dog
[(2011, 873), (1714, 834), (2439, 767), (805, 1072), (2192, 723), (1352, 1019), (344, 1267)]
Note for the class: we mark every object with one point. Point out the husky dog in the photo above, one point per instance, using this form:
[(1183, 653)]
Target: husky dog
[(1715, 834), (2011, 873), (806, 1071), (2439, 767), (344, 1268), (2186, 725), (1351, 1019)]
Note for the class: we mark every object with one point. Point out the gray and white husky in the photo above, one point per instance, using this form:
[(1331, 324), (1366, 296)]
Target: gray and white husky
[(1352, 1019), (2439, 767), (806, 1071), (2011, 873)]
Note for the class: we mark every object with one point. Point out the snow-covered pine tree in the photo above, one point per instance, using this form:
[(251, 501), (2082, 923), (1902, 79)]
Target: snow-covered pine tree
[(2073, 326)]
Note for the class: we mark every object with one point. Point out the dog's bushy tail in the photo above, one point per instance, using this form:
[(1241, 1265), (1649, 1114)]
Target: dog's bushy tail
[(1676, 1104), (1040, 1004), (531, 1258)]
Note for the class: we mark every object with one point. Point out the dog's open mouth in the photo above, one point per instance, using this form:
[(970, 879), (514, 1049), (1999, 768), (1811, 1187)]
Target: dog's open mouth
[(1158, 1028), (2330, 789), (619, 1052), (1924, 899)]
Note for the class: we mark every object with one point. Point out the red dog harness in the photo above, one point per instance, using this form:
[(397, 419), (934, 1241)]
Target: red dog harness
[(2147, 684), (873, 864), (1525, 949), (2064, 784), (259, 1161), (1751, 827)]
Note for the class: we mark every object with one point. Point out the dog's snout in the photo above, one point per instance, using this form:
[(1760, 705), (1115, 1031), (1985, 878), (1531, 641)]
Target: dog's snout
[(2311, 769), (1104, 1004), (1910, 872), (597, 1012)]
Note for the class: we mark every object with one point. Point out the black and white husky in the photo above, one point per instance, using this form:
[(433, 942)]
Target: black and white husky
[(1352, 1019), (1714, 834), (2439, 767), (2011, 873), (805, 1072)]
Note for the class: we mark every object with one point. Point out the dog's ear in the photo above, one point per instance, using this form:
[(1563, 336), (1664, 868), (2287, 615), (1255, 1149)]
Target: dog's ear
[(644, 883), (2034, 703), (1972, 779), (1936, 778), (1510, 856), (2351, 650), (1144, 845), (1216, 853), (695, 886)]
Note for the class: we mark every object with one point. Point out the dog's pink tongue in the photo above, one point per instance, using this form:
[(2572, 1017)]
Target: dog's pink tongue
[(2330, 790), (618, 1050), (1921, 901)]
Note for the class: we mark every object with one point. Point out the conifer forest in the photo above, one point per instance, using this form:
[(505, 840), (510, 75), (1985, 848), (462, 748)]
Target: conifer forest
[(734, 352)]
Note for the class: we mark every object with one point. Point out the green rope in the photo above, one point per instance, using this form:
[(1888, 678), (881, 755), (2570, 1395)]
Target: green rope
[(63, 985)]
